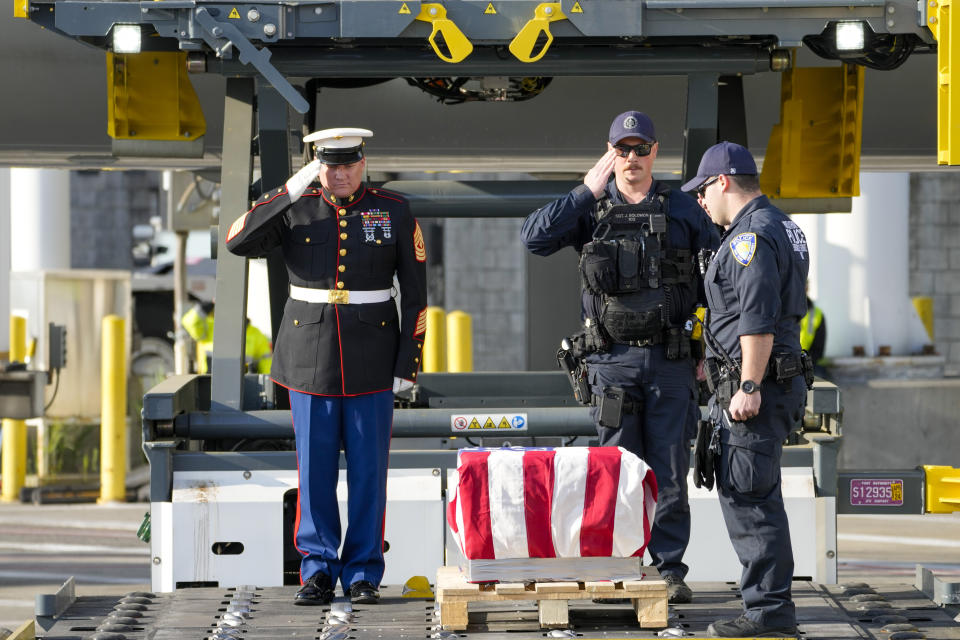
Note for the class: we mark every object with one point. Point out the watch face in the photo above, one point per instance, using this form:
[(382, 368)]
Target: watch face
[(748, 386)]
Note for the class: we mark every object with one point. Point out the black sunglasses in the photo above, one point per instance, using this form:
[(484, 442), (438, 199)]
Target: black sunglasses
[(702, 188), (642, 149)]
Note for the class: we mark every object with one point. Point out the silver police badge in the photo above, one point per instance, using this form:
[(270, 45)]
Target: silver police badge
[(629, 122)]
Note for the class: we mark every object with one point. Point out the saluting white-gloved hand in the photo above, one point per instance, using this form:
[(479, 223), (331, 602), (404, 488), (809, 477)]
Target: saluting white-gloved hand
[(299, 182), (401, 384)]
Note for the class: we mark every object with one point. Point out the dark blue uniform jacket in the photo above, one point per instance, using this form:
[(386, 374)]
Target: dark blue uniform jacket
[(353, 243)]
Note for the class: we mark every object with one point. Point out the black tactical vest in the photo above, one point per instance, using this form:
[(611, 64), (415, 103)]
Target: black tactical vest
[(630, 266)]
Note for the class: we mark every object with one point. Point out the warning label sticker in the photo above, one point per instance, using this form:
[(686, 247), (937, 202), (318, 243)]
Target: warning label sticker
[(876, 492), (472, 422)]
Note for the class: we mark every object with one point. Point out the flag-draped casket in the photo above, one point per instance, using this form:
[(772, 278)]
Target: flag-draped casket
[(567, 502)]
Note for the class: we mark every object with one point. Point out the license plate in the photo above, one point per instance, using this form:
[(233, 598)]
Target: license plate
[(876, 492)]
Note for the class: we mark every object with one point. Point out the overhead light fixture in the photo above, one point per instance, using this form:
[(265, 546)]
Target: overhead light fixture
[(126, 38), (850, 36)]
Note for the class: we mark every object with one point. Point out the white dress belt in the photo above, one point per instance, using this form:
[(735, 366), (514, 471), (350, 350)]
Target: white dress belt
[(338, 296)]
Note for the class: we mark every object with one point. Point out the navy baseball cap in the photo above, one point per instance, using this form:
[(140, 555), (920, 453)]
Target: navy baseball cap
[(632, 124), (727, 158)]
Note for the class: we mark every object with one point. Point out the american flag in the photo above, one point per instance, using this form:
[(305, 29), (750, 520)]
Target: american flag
[(566, 502)]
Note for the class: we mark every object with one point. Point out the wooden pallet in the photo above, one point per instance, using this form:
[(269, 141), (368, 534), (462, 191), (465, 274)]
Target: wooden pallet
[(454, 594)]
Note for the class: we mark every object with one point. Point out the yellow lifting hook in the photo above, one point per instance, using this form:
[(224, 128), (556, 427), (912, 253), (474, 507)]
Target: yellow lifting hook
[(522, 45), (457, 43)]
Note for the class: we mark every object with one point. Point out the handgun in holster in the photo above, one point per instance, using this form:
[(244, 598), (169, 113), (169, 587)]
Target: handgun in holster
[(576, 370)]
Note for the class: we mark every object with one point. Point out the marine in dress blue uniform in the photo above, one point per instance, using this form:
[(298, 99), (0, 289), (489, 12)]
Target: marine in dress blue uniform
[(755, 295), (660, 409), (341, 351)]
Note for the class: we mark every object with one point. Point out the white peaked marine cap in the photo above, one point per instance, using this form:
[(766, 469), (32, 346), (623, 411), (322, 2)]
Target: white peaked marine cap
[(341, 145)]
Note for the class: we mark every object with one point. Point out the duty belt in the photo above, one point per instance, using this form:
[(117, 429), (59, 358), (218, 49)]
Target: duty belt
[(338, 296), (646, 342), (781, 367)]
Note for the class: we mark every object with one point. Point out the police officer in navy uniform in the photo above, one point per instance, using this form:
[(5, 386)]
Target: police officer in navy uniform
[(637, 241), (755, 296), (342, 351)]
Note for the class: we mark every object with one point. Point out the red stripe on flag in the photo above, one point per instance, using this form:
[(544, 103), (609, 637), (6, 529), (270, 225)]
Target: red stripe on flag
[(475, 505), (600, 502), (538, 502)]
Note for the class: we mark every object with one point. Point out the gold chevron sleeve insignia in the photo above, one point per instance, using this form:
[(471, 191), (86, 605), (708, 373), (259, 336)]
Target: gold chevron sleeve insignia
[(237, 226), (419, 250)]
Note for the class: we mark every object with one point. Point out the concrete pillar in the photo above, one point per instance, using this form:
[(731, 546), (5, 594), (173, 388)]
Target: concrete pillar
[(4, 262), (859, 273), (39, 219)]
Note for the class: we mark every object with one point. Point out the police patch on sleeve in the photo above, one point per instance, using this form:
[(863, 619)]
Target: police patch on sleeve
[(744, 247)]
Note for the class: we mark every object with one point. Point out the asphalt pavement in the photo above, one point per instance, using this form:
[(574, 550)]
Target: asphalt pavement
[(42, 546)]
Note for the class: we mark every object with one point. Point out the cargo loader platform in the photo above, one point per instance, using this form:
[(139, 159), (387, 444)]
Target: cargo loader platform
[(854, 610)]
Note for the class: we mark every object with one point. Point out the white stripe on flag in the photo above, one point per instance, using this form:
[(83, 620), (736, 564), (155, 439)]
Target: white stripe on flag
[(569, 486), (628, 519), (458, 513), (507, 521)]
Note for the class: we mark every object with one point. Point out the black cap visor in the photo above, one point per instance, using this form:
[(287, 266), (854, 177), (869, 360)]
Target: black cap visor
[(340, 156)]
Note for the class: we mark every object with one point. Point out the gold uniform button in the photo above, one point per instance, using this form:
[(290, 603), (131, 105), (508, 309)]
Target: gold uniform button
[(343, 223), (339, 285), (342, 268), (342, 212), (307, 240), (343, 236), (296, 323), (378, 242), (419, 346), (343, 252), (416, 359), (383, 323)]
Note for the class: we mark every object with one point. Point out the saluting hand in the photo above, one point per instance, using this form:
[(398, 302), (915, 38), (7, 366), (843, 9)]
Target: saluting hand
[(597, 178)]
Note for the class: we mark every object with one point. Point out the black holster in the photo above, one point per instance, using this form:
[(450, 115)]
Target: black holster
[(613, 404), (722, 381), (576, 370), (704, 455), (677, 345)]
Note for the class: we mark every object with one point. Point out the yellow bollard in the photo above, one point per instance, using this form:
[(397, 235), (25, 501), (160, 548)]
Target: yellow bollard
[(924, 307), (113, 410), (14, 457), (459, 342), (434, 354)]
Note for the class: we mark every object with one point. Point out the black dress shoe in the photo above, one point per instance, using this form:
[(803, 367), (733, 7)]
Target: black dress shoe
[(317, 590), (363, 592)]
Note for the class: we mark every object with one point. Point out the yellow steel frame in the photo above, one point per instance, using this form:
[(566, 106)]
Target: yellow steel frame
[(814, 152), (942, 489), (940, 20), (150, 97)]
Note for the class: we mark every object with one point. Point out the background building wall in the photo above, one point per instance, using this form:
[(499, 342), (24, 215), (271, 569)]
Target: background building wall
[(105, 205), (484, 275), (935, 256)]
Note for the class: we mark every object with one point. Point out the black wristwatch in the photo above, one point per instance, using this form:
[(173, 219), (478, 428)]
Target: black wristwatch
[(748, 386)]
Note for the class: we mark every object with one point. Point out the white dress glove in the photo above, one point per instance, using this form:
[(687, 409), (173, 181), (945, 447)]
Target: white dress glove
[(299, 182), (401, 384)]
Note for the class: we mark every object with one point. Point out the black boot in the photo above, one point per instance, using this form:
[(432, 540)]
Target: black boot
[(744, 627)]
